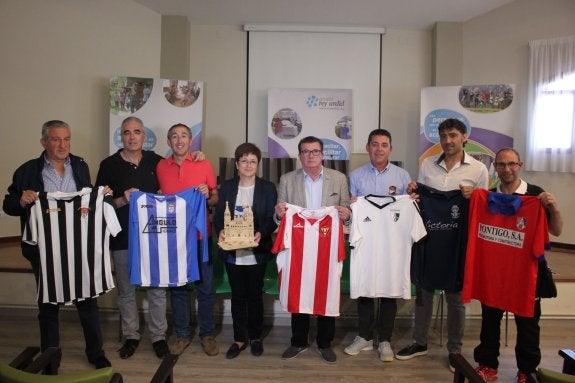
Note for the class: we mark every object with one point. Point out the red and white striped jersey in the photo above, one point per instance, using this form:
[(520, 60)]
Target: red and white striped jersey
[(310, 251)]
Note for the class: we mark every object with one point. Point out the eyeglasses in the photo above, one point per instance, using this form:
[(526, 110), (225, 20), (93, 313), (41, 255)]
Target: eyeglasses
[(246, 163), (510, 165), (315, 152)]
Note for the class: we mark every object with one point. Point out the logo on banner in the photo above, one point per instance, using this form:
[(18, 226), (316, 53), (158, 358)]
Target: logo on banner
[(312, 101), (325, 103)]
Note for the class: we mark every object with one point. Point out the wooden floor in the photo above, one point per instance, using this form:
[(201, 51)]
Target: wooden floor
[(18, 328)]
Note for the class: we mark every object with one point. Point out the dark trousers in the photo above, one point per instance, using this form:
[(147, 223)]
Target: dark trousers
[(247, 282), (527, 352), (383, 321), (300, 330), (88, 313)]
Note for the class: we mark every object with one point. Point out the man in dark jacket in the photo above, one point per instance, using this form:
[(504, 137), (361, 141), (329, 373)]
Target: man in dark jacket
[(55, 170)]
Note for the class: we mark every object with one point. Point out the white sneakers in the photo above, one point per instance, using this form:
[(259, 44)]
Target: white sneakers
[(385, 352), (359, 344)]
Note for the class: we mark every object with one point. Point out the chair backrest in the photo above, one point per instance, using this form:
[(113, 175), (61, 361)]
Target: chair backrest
[(463, 370), (12, 375), (548, 376)]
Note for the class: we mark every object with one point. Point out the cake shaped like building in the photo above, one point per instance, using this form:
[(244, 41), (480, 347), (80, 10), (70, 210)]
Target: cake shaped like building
[(239, 232)]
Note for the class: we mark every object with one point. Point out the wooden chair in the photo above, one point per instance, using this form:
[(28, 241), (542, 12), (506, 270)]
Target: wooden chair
[(567, 375), (25, 368)]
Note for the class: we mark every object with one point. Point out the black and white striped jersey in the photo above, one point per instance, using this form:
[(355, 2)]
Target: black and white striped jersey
[(72, 232)]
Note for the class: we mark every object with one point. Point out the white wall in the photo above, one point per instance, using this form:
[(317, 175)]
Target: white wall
[(495, 50), (57, 58), (218, 57)]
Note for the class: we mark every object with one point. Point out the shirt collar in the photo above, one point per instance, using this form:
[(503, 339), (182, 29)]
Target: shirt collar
[(374, 169), (521, 189), (47, 162), (186, 159), (464, 160), (308, 177), (506, 204)]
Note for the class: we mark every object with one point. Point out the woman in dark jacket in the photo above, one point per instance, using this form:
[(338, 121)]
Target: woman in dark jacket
[(246, 267)]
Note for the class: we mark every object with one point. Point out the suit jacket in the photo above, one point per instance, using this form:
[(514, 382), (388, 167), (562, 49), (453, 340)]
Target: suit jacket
[(335, 190), (265, 198)]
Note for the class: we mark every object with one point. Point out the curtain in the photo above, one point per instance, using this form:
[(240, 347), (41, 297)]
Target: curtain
[(551, 105)]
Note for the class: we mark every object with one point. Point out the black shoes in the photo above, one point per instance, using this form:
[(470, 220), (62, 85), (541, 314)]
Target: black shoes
[(128, 348), (411, 351), (101, 362), (235, 350), (327, 354), (256, 347), (161, 348), (293, 351)]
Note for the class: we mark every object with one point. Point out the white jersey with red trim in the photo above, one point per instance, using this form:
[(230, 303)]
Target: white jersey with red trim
[(382, 232), (310, 251)]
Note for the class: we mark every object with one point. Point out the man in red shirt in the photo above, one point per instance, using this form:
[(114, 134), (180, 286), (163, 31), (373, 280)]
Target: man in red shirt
[(527, 353), (177, 173)]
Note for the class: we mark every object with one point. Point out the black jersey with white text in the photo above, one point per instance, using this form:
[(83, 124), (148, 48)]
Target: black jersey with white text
[(438, 261)]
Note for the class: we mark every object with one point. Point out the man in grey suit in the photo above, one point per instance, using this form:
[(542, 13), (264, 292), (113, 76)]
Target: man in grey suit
[(312, 187)]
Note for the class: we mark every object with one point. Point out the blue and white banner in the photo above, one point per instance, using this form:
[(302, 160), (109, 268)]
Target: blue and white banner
[(159, 103), (297, 113)]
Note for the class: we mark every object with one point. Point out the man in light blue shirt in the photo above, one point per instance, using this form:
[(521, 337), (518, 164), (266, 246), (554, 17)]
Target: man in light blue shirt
[(377, 177)]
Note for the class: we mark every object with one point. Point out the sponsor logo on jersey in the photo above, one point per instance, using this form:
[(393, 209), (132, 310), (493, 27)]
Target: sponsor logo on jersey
[(440, 226), (53, 210), (298, 226), (366, 219), (160, 225), (501, 235), (146, 206)]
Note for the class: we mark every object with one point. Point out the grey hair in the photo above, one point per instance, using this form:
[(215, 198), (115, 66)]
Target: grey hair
[(51, 125)]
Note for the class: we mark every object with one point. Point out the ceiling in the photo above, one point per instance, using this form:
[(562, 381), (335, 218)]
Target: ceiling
[(395, 14)]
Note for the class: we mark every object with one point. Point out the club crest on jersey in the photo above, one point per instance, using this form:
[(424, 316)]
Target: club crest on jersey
[(171, 208), (84, 211), (455, 212), (521, 223), (324, 230)]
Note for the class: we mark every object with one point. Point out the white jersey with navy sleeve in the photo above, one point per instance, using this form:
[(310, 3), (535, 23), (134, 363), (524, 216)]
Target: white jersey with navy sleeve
[(72, 232), (163, 248)]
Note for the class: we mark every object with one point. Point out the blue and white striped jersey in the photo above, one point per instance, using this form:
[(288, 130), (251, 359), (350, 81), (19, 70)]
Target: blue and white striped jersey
[(164, 248)]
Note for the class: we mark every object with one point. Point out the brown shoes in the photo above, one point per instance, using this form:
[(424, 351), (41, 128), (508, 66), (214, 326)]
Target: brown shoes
[(210, 345), (180, 345)]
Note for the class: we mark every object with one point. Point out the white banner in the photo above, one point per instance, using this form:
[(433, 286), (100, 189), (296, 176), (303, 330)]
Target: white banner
[(159, 103), (297, 113), (488, 112)]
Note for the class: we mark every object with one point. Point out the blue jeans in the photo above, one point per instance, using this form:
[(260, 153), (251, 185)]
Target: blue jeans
[(180, 300)]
